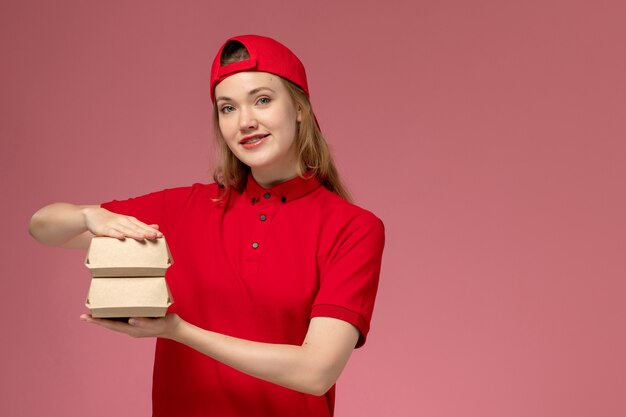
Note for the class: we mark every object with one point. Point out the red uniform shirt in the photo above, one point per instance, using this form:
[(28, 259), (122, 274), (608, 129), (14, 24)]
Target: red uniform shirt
[(257, 265)]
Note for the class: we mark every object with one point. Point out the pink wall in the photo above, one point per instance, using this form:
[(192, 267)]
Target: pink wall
[(488, 135)]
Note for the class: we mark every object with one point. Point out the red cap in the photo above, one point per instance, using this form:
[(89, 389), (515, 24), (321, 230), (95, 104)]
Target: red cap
[(266, 55)]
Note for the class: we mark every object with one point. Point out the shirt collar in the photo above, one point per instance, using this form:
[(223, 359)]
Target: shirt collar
[(286, 191)]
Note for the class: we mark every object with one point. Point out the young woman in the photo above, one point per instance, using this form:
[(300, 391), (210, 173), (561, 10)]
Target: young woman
[(275, 271)]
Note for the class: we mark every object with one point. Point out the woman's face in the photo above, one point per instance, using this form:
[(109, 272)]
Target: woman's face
[(258, 118)]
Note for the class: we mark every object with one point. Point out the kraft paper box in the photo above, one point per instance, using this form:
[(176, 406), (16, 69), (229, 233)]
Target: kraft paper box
[(128, 278)]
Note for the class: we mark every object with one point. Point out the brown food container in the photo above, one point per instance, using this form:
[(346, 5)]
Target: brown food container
[(128, 278)]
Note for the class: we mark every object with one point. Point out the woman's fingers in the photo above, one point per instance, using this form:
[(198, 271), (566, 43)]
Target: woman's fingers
[(112, 232), (149, 231), (135, 232), (102, 222), (138, 327)]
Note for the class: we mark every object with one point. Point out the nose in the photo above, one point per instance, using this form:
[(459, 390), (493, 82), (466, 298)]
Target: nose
[(247, 120)]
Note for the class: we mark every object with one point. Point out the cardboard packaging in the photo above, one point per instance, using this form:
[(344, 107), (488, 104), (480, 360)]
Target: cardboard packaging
[(128, 278)]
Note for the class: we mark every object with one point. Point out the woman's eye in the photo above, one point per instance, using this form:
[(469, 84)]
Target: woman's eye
[(263, 100), (227, 109)]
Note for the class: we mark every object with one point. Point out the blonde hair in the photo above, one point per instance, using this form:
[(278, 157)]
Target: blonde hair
[(313, 151)]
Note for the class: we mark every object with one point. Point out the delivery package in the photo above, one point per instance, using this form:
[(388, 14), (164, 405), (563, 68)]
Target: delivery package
[(128, 278)]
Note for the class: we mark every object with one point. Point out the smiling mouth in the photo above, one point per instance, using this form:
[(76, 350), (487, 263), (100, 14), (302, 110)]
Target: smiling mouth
[(253, 139)]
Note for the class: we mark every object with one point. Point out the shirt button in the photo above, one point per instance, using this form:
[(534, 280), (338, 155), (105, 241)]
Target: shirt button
[(267, 195), (283, 199), (255, 245), (263, 217)]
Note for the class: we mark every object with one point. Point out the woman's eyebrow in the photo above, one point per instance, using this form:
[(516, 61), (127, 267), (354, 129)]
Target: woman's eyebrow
[(251, 93), (256, 90)]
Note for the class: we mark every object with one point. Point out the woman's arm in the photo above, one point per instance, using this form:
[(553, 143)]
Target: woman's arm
[(311, 368), (73, 226)]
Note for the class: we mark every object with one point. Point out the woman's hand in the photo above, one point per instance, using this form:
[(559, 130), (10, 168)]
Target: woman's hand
[(163, 327), (102, 222), (73, 226)]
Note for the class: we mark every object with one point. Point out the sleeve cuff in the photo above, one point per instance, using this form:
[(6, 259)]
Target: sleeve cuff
[(342, 313)]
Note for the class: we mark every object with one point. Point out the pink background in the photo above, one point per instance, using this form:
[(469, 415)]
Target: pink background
[(488, 135)]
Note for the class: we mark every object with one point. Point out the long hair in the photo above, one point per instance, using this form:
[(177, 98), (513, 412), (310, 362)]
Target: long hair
[(313, 151)]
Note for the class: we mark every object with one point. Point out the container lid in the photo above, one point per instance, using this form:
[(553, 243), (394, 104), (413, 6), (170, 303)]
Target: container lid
[(111, 257)]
